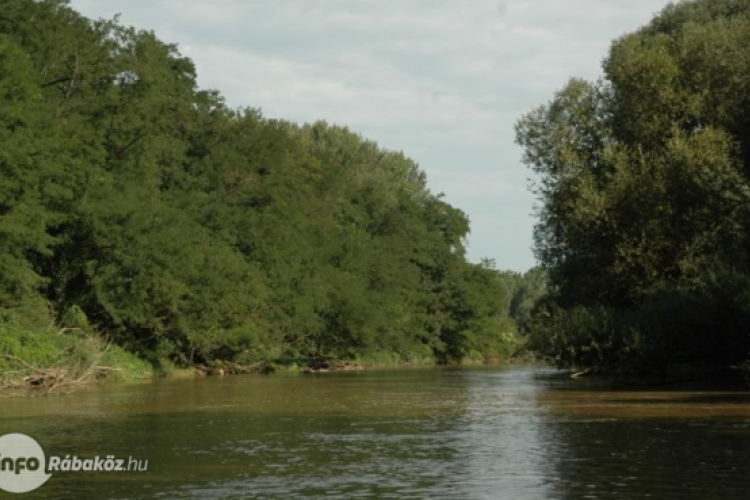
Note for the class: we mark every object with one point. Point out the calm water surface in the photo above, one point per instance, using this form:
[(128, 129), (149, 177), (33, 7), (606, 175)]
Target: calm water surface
[(441, 433)]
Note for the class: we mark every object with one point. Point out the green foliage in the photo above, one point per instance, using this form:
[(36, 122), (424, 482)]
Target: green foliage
[(644, 182), (523, 291), (140, 206), (704, 328), (73, 356)]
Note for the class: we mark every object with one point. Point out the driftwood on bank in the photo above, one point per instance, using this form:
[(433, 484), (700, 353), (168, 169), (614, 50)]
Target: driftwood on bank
[(311, 365), (583, 373), (229, 368), (323, 366), (49, 379)]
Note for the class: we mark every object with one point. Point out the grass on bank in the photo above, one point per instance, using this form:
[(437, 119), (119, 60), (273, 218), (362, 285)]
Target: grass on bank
[(53, 359), (36, 352)]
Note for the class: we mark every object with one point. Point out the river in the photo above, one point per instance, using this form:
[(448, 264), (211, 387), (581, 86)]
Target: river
[(494, 433)]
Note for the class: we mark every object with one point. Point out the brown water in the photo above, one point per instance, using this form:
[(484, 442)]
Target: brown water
[(439, 433)]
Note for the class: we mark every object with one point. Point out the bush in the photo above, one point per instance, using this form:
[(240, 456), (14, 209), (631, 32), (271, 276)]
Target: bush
[(706, 326)]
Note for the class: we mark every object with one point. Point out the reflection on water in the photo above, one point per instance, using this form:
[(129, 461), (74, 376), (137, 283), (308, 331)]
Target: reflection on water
[(647, 443), (442, 433)]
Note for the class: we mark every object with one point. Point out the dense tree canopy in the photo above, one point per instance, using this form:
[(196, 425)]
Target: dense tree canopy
[(189, 231), (644, 183)]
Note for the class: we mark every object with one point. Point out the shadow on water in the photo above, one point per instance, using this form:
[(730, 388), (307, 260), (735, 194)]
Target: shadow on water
[(607, 440), (687, 399)]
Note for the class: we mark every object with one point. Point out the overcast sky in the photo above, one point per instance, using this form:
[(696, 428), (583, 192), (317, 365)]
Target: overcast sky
[(441, 80)]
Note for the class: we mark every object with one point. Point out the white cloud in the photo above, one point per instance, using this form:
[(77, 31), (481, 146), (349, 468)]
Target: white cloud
[(442, 80)]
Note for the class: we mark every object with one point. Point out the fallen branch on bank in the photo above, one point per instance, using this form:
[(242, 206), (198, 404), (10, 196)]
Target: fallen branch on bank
[(328, 365), (583, 373), (230, 368), (52, 378)]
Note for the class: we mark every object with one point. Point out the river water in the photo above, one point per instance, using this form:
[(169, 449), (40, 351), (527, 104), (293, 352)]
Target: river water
[(493, 433)]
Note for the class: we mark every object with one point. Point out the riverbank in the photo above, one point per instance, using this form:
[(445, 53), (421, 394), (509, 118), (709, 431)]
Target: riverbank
[(52, 359), (60, 359)]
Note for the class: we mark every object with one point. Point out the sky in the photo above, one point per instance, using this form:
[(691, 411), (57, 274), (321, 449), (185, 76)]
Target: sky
[(444, 81)]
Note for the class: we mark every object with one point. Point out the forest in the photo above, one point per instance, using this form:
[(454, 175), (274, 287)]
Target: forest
[(643, 181), (143, 220), (146, 226)]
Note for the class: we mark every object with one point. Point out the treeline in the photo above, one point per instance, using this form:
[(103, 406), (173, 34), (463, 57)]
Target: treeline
[(644, 182), (524, 291), (137, 205)]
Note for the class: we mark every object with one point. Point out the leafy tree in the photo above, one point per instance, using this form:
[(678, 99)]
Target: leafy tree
[(644, 188), (135, 203)]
